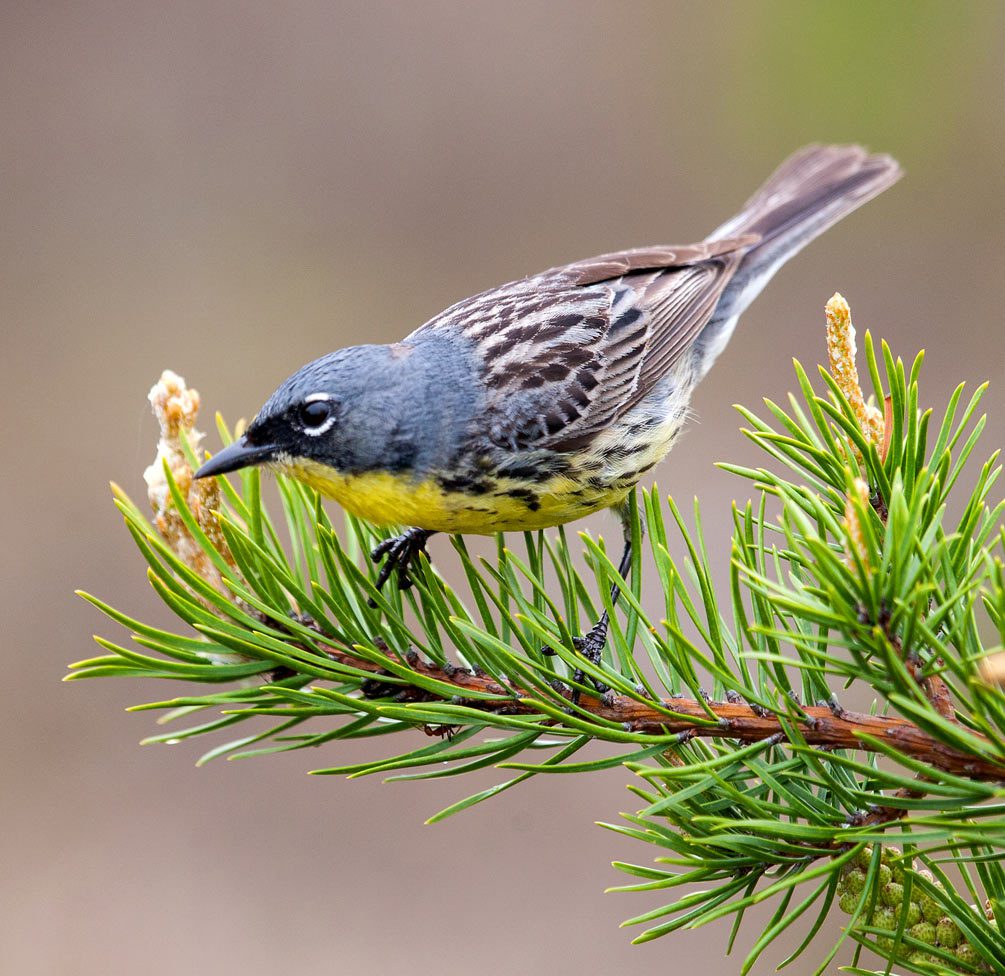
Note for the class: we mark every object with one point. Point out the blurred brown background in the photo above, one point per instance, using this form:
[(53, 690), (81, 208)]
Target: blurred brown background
[(233, 188)]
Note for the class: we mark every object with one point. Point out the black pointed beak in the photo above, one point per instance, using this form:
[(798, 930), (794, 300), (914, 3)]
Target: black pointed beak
[(240, 454)]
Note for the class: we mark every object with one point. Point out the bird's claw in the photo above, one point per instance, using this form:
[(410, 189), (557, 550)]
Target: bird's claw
[(400, 552), (590, 646)]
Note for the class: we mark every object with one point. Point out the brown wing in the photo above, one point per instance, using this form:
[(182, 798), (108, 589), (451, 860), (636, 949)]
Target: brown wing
[(568, 351), (634, 260)]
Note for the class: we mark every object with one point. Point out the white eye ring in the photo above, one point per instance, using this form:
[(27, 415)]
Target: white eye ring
[(325, 425)]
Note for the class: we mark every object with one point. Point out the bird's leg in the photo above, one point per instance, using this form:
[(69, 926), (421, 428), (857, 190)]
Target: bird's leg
[(591, 644), (401, 551)]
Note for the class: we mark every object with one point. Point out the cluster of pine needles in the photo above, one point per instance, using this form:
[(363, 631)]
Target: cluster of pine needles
[(867, 567)]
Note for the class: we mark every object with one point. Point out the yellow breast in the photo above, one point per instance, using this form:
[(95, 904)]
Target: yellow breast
[(389, 499)]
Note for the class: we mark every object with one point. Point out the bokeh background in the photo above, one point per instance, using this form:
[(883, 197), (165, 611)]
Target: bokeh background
[(233, 188)]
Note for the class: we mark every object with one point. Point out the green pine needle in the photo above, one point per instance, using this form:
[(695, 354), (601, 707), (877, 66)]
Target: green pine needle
[(894, 593)]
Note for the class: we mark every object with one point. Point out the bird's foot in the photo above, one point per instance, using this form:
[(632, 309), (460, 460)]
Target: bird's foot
[(401, 552), (591, 646), (375, 688)]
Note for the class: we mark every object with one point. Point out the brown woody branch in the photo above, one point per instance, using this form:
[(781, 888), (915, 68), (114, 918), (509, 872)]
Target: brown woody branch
[(823, 726), (881, 814), (937, 692)]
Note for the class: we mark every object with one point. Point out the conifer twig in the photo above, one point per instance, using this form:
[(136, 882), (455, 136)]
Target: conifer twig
[(824, 726), (860, 580)]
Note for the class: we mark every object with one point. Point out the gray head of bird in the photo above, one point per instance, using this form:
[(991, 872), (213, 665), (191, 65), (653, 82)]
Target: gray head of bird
[(323, 413), (403, 408)]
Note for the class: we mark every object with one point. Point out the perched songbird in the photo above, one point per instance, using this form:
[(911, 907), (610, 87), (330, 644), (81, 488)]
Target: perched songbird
[(548, 398)]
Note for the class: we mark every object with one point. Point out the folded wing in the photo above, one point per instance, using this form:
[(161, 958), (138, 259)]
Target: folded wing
[(566, 352)]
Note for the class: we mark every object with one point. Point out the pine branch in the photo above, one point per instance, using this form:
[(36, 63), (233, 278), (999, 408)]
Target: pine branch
[(825, 726), (860, 579)]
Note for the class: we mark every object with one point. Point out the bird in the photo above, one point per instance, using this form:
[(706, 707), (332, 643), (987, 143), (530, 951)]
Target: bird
[(546, 399)]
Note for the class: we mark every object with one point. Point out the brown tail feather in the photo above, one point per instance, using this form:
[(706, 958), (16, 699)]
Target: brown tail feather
[(810, 192), (816, 186)]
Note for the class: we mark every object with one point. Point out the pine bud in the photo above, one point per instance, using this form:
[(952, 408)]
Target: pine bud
[(966, 953), (854, 881), (848, 901), (931, 910), (892, 895), (176, 407), (993, 669), (923, 932), (885, 919), (948, 933), (857, 500), (841, 353)]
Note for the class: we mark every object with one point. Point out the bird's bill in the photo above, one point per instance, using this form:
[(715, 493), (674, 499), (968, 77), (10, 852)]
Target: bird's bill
[(233, 457)]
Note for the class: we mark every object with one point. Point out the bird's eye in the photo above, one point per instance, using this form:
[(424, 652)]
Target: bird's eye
[(315, 413)]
